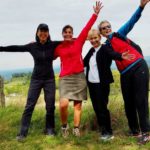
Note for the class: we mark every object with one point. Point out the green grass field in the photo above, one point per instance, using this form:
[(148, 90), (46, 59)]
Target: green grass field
[(10, 117)]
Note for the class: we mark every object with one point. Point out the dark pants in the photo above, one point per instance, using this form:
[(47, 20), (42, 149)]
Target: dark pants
[(99, 96), (33, 95), (135, 86)]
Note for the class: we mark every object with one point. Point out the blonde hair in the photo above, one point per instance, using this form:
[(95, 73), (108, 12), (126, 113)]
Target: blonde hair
[(93, 31)]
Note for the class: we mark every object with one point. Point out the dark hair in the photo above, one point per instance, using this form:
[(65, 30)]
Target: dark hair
[(42, 27), (67, 27)]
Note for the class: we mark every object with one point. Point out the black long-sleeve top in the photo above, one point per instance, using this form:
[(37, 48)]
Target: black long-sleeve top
[(42, 55)]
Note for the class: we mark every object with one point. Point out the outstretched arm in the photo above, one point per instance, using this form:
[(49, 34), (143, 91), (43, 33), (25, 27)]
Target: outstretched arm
[(83, 35), (127, 27), (56, 43), (15, 48), (117, 56), (111, 53)]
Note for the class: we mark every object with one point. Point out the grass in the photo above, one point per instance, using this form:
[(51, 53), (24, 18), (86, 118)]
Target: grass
[(36, 140), (10, 117)]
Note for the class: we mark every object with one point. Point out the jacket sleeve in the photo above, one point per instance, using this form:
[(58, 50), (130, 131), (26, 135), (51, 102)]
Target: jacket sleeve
[(56, 53), (111, 53), (127, 27), (15, 48), (56, 43), (83, 35)]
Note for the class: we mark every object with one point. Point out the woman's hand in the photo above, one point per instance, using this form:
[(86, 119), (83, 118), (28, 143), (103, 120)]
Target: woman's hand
[(128, 56), (143, 3), (98, 7)]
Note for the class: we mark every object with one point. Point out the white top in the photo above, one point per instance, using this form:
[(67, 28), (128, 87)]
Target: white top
[(93, 75)]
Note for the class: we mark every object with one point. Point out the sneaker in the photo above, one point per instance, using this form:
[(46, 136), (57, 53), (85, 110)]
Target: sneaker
[(20, 138), (65, 131), (144, 139), (135, 134), (76, 132), (50, 132), (107, 137)]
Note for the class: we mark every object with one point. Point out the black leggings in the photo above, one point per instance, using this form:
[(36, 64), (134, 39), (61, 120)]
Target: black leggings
[(135, 86), (33, 95)]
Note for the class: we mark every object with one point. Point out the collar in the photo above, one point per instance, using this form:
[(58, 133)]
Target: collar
[(97, 48)]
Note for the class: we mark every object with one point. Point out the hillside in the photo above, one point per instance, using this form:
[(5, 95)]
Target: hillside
[(10, 116)]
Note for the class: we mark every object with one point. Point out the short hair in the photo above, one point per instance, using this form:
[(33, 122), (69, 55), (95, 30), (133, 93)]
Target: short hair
[(67, 27), (92, 31), (104, 21)]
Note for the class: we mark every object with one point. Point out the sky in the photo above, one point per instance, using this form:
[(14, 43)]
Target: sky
[(20, 18)]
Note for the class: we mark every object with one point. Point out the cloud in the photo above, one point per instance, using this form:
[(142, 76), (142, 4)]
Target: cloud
[(20, 18)]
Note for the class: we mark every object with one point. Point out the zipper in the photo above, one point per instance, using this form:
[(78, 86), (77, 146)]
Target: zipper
[(43, 49)]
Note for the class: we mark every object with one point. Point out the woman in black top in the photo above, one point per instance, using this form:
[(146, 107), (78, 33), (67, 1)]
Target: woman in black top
[(42, 77)]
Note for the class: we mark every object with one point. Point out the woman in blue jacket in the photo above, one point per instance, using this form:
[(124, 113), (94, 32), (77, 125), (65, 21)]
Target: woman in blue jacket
[(134, 75)]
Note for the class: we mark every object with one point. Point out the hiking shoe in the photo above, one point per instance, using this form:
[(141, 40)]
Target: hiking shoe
[(76, 132), (134, 134), (20, 138), (144, 139), (65, 131), (50, 132), (106, 137)]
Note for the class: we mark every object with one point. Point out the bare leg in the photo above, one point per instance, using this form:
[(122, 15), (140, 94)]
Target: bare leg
[(77, 113), (64, 103)]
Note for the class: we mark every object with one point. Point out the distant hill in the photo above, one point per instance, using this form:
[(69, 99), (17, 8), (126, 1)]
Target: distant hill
[(7, 74)]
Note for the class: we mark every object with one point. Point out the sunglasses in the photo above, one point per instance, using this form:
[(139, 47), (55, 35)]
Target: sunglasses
[(106, 27)]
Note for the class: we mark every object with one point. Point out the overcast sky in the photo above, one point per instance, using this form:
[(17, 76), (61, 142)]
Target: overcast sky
[(20, 18)]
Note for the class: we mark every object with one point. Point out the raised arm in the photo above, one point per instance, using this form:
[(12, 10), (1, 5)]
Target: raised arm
[(127, 27), (15, 48), (83, 35)]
